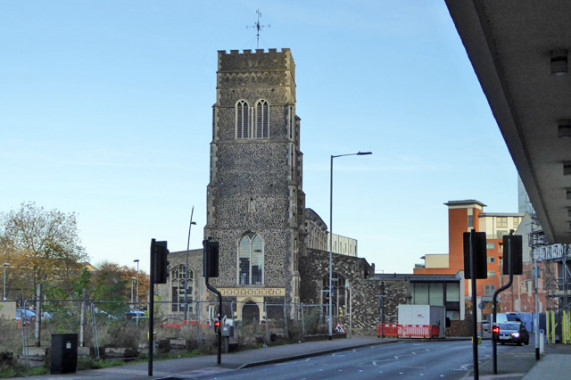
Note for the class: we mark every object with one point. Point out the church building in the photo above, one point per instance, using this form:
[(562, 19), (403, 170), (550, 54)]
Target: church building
[(272, 250)]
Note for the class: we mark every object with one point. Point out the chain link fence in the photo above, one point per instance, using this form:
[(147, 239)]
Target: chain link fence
[(108, 329)]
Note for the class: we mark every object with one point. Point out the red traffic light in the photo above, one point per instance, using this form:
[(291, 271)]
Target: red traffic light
[(216, 326), (495, 330)]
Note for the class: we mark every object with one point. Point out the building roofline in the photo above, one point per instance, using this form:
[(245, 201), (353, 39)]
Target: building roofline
[(465, 202), (514, 214)]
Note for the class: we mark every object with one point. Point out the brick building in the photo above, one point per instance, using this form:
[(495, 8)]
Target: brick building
[(464, 216)]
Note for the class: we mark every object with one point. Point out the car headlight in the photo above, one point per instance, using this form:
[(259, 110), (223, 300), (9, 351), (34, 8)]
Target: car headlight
[(515, 335)]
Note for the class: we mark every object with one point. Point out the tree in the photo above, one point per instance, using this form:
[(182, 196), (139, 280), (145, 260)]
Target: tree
[(42, 246)]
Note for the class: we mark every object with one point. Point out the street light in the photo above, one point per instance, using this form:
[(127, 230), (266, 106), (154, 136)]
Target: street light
[(4, 287), (137, 298), (186, 270), (331, 236)]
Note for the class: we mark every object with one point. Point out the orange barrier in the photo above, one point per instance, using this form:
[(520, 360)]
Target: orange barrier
[(408, 331)]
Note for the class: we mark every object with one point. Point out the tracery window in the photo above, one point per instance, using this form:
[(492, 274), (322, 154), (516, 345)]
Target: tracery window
[(253, 122), (177, 277), (251, 259), (262, 119), (242, 120)]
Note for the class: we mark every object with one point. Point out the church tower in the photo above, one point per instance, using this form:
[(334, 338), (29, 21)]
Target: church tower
[(255, 199)]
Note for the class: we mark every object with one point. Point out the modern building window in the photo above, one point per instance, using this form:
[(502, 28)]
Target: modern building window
[(251, 259), (489, 290), (470, 218), (242, 120), (491, 259), (452, 292), (502, 222), (177, 277), (501, 234), (262, 119), (436, 294), (491, 273), (516, 222), (490, 245)]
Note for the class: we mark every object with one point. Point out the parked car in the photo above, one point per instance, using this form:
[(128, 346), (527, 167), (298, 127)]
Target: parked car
[(25, 316), (135, 314), (512, 332)]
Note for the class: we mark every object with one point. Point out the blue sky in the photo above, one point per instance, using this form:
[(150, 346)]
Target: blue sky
[(105, 111)]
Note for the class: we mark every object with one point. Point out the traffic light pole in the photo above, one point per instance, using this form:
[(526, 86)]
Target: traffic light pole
[(507, 249), (219, 332), (474, 306)]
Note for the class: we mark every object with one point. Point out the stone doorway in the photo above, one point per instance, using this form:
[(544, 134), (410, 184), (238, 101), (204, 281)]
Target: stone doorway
[(251, 312)]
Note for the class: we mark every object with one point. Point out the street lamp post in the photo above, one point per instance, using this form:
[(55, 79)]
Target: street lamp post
[(4, 286), (137, 298), (186, 268), (331, 236)]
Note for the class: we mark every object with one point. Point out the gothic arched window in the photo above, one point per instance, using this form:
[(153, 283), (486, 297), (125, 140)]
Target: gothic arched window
[(242, 120), (251, 259), (262, 119), (177, 276)]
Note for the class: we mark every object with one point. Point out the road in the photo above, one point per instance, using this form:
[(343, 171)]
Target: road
[(402, 360)]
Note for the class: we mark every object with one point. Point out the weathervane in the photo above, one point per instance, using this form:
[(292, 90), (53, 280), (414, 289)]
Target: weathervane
[(258, 27)]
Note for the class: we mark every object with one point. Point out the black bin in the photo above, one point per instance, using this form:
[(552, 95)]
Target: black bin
[(63, 353)]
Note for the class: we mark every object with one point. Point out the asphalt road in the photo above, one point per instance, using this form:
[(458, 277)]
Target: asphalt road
[(402, 360)]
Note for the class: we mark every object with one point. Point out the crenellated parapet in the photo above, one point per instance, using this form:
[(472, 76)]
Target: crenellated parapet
[(256, 60)]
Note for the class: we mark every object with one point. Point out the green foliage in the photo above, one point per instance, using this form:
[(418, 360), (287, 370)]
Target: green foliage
[(18, 370), (41, 246)]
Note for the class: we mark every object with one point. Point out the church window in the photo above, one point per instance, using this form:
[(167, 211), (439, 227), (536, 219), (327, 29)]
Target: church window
[(242, 120), (177, 277), (251, 259), (262, 119)]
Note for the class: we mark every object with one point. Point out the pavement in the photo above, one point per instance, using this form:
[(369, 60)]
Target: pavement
[(554, 364)]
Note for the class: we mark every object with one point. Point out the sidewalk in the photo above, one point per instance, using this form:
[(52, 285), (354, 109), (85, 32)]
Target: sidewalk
[(207, 365), (515, 365)]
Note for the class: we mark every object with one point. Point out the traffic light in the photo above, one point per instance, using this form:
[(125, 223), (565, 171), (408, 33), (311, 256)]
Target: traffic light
[(495, 333), (512, 245), (217, 326), (479, 251), (210, 258), (159, 263)]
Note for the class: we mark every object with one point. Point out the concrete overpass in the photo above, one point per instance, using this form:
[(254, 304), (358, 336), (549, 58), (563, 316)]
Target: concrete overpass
[(520, 50)]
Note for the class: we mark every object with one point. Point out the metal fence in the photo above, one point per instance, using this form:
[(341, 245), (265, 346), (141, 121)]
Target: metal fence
[(102, 325)]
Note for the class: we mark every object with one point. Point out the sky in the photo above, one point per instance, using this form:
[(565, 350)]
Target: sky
[(106, 112)]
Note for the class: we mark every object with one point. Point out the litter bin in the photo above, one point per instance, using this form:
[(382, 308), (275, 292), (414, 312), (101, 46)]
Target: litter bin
[(63, 353)]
